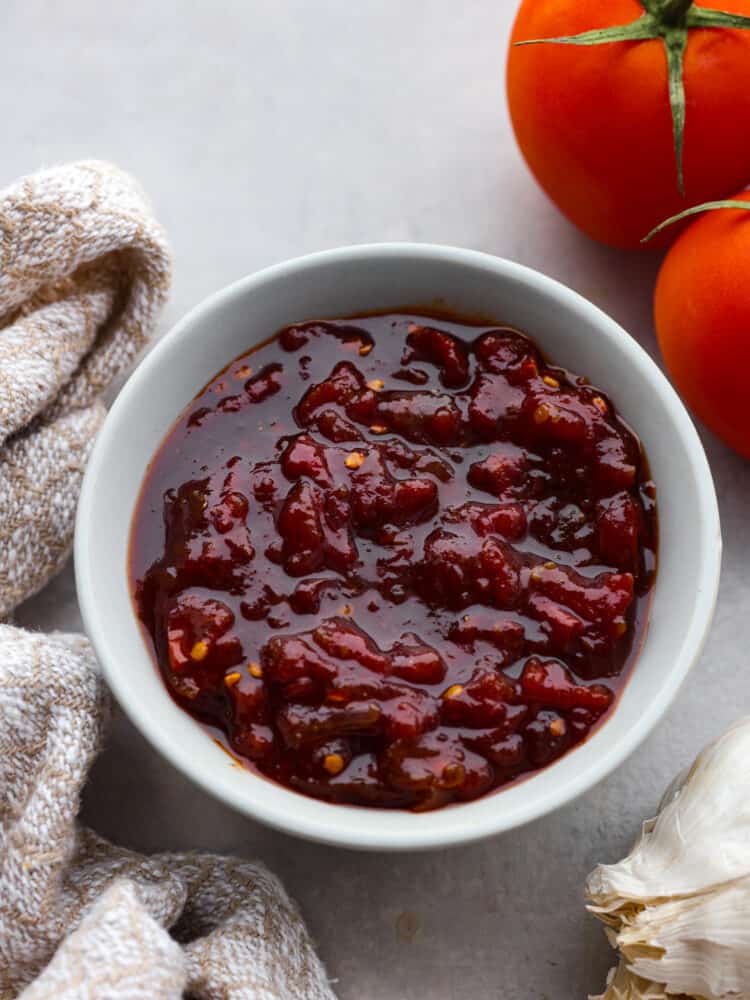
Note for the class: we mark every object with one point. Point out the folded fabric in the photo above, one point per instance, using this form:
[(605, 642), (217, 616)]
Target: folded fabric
[(84, 270), (235, 934)]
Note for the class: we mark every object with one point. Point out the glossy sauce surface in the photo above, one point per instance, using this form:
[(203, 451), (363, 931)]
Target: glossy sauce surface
[(397, 560)]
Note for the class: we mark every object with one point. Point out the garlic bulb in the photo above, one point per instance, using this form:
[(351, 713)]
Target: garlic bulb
[(678, 906)]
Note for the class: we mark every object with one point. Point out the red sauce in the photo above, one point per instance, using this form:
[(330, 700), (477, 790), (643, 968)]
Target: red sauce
[(396, 560)]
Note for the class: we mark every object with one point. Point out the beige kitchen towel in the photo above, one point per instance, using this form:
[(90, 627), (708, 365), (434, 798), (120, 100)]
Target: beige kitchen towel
[(81, 919), (84, 270)]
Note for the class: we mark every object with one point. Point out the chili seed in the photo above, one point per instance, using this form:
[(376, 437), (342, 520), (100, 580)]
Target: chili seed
[(199, 650), (354, 460), (453, 691), (454, 775), (333, 763)]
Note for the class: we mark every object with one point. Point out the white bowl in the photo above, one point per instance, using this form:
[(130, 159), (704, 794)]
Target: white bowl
[(338, 283)]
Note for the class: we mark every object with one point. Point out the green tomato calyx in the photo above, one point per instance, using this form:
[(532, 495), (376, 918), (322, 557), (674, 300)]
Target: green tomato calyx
[(707, 206)]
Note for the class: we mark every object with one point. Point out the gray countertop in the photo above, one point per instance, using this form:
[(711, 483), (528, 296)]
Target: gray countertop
[(264, 129)]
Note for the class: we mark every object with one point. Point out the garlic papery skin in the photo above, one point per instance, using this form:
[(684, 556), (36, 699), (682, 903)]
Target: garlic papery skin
[(678, 906), (623, 985), (699, 839), (697, 945)]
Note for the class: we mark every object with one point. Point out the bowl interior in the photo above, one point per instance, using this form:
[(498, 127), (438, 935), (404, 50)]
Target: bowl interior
[(574, 334)]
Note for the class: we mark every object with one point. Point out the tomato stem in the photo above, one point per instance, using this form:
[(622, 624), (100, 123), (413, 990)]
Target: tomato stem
[(707, 206), (668, 12), (670, 21)]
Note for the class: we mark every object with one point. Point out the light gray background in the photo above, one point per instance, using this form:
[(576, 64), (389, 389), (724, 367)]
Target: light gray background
[(263, 129)]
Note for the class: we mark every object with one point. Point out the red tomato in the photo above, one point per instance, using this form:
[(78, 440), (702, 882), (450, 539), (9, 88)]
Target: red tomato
[(702, 313), (595, 123)]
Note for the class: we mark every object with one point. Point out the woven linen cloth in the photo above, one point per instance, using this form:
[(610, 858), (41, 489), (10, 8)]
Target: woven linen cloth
[(81, 919), (84, 270)]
